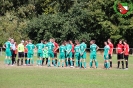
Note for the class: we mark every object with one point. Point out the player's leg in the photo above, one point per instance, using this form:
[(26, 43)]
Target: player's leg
[(67, 60), (76, 57), (126, 61), (73, 58), (118, 60), (122, 61), (31, 59), (19, 56), (6, 57), (70, 56), (91, 60), (96, 62), (22, 56), (59, 60), (110, 60), (41, 58), (25, 56), (28, 58), (9, 58), (84, 59), (53, 59), (49, 56)]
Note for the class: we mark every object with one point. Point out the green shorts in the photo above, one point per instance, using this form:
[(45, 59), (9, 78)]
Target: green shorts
[(62, 56), (83, 56), (45, 55), (69, 55), (51, 54), (29, 55), (93, 56), (40, 55), (8, 53), (77, 56), (105, 57)]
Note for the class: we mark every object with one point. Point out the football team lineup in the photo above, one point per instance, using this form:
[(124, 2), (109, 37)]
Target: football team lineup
[(71, 54)]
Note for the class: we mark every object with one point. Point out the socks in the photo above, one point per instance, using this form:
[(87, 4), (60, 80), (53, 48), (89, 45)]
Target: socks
[(21, 61), (18, 62), (96, 64), (32, 61), (58, 64), (27, 61), (110, 63), (71, 63), (62, 64), (107, 66), (118, 63), (122, 64), (54, 62), (84, 64), (77, 63), (48, 62), (90, 64), (126, 64), (66, 63)]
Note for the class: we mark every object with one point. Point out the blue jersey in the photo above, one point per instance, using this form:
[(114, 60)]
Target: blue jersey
[(106, 50), (50, 46), (77, 49), (62, 49), (83, 47), (68, 47), (93, 48)]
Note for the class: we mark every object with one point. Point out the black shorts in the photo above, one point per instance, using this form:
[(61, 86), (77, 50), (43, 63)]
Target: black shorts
[(72, 55), (110, 57), (119, 56), (20, 54), (55, 55), (25, 55), (126, 57)]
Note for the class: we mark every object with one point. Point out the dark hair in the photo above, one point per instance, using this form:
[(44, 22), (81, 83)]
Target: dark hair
[(83, 40), (110, 40), (125, 41), (93, 41)]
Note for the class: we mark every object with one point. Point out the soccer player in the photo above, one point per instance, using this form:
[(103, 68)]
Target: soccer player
[(62, 49), (13, 49), (110, 51), (7, 46), (25, 51), (126, 53), (119, 51), (30, 53), (40, 47), (56, 47), (45, 55), (93, 53), (68, 53), (106, 55), (20, 52), (83, 47), (50, 46), (77, 52), (72, 51)]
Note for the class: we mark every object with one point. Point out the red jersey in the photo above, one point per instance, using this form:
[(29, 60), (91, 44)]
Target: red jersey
[(126, 49), (56, 46), (16, 51), (111, 48), (120, 48), (25, 49), (72, 48)]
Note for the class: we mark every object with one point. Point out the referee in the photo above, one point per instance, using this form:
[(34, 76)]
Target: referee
[(20, 52)]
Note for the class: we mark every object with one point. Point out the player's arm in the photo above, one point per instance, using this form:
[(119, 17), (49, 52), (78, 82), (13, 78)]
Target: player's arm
[(111, 49), (56, 48), (4, 46), (97, 48)]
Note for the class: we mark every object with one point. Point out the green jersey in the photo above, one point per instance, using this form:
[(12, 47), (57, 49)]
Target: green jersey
[(50, 46), (62, 49), (77, 48), (68, 47), (8, 45), (93, 48), (30, 47), (83, 47), (40, 47), (106, 50)]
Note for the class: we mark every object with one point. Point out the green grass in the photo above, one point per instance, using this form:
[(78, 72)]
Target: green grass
[(43, 77)]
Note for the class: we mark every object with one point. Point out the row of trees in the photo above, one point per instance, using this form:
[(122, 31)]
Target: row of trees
[(63, 20)]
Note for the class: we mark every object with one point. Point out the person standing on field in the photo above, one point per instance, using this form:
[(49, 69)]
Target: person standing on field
[(20, 52), (25, 52), (106, 55), (110, 51), (72, 51), (119, 51), (126, 53), (77, 52), (7, 46)]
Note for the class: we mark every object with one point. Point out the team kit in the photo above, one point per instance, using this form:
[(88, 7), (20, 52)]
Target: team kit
[(70, 54)]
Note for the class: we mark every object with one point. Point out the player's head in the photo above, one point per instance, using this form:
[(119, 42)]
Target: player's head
[(92, 41), (70, 41), (76, 42), (83, 40), (125, 41), (30, 41), (120, 41), (42, 41), (109, 41), (64, 42), (22, 41), (51, 40), (12, 40), (105, 43), (26, 42), (9, 39)]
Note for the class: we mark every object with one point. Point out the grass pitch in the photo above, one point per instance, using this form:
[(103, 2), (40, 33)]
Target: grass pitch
[(52, 77)]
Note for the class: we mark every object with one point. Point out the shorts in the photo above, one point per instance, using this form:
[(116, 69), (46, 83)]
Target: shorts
[(45, 55), (51, 54), (110, 57), (40, 55), (62, 56), (69, 55), (83, 56), (8, 53), (25, 55), (73, 55), (119, 56), (29, 55), (55, 55), (105, 57), (126, 57), (93, 56), (20, 54), (77, 56)]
